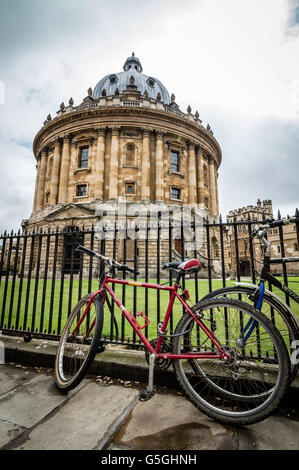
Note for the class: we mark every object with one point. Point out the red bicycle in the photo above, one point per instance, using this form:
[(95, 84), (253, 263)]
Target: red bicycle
[(231, 371)]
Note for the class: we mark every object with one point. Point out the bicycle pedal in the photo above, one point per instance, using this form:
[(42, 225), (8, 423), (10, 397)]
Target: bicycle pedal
[(101, 348), (146, 395)]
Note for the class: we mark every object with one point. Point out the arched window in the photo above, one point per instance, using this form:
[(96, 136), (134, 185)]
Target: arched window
[(130, 155)]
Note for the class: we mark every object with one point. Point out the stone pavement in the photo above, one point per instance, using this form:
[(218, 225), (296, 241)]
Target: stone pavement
[(106, 414)]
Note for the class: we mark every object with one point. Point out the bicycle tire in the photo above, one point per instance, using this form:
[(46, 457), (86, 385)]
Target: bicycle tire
[(274, 311), (221, 389), (68, 357)]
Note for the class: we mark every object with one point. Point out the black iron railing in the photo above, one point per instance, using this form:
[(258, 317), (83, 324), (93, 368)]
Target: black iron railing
[(42, 276)]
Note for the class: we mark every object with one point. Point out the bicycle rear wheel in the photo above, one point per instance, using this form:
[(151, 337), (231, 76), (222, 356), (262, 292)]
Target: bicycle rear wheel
[(280, 318), (245, 389), (78, 346)]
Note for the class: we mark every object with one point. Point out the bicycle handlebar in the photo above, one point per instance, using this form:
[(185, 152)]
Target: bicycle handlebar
[(85, 250), (111, 262), (276, 223), (261, 231)]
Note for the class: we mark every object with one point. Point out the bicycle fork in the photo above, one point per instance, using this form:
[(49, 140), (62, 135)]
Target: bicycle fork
[(145, 395), (251, 324)]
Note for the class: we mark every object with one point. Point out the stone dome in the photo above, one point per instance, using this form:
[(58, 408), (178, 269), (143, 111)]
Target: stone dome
[(108, 85)]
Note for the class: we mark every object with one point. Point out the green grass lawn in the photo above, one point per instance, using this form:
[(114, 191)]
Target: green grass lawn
[(54, 317)]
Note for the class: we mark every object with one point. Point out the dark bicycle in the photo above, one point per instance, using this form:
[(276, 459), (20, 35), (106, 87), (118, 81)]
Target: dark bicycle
[(266, 301)]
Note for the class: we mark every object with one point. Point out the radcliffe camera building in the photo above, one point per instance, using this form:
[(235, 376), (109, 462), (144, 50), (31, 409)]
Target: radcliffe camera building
[(128, 138)]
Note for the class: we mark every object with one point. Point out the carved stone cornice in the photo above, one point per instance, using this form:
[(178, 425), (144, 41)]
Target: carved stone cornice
[(85, 119)]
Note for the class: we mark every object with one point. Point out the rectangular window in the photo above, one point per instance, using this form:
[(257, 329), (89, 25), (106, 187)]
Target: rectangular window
[(83, 157), (130, 188), (175, 160), (175, 193), (81, 190)]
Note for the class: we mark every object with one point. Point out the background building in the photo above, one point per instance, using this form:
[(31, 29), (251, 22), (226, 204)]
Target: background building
[(237, 251)]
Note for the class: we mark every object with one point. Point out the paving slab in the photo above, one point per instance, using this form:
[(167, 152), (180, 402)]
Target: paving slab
[(171, 422), (9, 431), (274, 433), (11, 377), (87, 421), (28, 404)]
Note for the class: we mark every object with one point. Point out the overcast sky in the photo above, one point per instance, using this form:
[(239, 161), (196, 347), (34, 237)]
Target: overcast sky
[(235, 61)]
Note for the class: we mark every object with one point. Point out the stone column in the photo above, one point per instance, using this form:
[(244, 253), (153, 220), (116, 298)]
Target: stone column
[(200, 182), (36, 183), (64, 170), (41, 180), (100, 165), (145, 167), (113, 184), (212, 187), (55, 173), (159, 167), (72, 167), (216, 190), (191, 173)]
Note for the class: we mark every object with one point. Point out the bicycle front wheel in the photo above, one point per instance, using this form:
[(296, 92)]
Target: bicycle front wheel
[(248, 387), (79, 342)]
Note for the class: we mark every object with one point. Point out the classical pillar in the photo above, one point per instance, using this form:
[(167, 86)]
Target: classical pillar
[(55, 173), (213, 206), (36, 183), (159, 166), (200, 173), (41, 180), (191, 173), (64, 170), (216, 190), (113, 183), (99, 166), (145, 168)]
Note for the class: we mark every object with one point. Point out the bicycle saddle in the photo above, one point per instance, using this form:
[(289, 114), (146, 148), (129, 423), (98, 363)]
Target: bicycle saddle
[(191, 265)]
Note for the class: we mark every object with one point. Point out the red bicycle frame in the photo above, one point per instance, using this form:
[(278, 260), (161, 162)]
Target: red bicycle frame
[(221, 354)]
